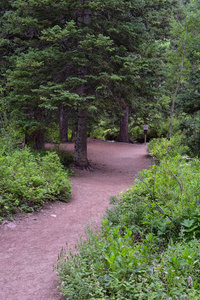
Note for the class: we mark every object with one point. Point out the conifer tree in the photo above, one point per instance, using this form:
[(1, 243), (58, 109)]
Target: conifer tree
[(183, 77)]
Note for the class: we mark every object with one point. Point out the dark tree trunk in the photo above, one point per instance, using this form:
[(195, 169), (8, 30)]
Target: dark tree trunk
[(80, 153), (39, 139), (35, 138), (123, 134), (63, 124), (74, 127)]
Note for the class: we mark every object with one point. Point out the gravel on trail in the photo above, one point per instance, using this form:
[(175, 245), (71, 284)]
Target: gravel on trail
[(29, 245)]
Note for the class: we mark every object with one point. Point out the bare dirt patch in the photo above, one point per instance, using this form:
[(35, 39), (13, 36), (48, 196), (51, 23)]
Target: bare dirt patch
[(29, 246)]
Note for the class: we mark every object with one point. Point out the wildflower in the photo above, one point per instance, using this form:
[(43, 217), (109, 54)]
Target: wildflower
[(190, 281), (178, 277)]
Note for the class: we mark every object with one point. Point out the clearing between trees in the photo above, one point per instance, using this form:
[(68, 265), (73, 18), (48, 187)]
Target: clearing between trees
[(29, 246)]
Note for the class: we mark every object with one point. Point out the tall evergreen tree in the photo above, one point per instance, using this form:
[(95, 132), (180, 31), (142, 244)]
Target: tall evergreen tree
[(184, 62)]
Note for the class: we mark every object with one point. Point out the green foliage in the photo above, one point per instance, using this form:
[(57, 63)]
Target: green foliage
[(164, 198), (105, 130), (136, 254), (28, 181), (109, 265), (116, 269), (53, 134), (157, 128), (183, 73), (9, 134), (189, 125), (163, 148), (65, 158)]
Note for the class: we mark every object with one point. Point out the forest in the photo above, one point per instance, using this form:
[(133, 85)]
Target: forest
[(72, 70)]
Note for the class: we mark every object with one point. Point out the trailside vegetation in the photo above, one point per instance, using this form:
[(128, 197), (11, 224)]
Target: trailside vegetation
[(28, 181), (148, 246)]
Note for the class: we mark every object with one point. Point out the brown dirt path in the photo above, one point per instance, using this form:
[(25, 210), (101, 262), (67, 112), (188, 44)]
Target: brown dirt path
[(29, 246)]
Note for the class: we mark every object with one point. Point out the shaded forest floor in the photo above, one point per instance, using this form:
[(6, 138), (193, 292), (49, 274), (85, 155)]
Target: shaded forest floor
[(29, 246)]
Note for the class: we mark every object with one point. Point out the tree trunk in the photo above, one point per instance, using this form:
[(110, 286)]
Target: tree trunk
[(39, 139), (123, 134), (35, 138), (63, 124), (74, 127), (177, 85), (80, 153)]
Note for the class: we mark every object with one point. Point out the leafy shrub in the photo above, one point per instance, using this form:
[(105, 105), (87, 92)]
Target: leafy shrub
[(27, 181), (106, 266), (109, 265), (65, 158), (158, 127), (187, 128), (105, 134), (164, 200), (105, 129), (164, 148), (179, 270)]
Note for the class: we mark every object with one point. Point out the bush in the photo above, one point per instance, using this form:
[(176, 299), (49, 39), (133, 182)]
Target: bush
[(164, 199), (105, 134), (106, 266), (28, 181), (163, 148), (65, 158), (109, 265)]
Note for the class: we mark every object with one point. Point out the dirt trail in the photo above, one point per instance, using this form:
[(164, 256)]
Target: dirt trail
[(29, 246)]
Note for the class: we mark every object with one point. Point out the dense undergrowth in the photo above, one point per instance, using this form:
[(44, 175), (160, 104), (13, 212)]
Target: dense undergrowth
[(28, 180), (148, 247)]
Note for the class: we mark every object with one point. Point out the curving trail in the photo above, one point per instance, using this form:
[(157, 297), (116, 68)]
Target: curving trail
[(29, 246)]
